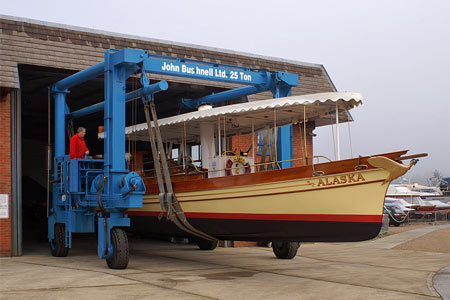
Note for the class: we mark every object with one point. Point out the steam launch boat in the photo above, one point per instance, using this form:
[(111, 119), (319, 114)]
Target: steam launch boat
[(201, 184)]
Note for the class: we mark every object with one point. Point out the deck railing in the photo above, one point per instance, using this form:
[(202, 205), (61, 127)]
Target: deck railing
[(275, 165)]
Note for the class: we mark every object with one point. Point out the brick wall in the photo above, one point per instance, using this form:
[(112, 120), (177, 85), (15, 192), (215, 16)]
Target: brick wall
[(243, 142), (5, 171), (298, 144)]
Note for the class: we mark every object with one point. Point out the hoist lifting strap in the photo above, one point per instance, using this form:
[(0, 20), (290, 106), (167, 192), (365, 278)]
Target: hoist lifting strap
[(168, 200)]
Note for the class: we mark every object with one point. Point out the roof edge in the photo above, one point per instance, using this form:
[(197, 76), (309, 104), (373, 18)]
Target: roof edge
[(136, 37), (328, 78)]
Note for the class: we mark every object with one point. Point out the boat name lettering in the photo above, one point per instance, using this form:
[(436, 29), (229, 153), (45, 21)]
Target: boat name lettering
[(343, 179)]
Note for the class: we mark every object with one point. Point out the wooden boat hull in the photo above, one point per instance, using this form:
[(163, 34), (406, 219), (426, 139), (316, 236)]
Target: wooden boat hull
[(335, 208)]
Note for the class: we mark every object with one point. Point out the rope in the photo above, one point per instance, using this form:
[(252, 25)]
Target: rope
[(393, 218), (195, 166)]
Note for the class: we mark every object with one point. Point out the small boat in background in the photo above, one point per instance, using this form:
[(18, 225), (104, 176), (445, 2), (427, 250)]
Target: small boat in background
[(403, 192), (430, 193), (402, 204), (418, 199)]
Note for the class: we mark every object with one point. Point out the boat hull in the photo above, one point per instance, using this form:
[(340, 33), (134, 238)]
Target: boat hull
[(266, 230), (342, 207)]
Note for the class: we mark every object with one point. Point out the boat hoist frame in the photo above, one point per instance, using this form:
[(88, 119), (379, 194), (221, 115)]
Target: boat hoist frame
[(86, 189)]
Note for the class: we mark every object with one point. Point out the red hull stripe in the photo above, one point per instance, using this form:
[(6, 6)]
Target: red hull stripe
[(273, 217)]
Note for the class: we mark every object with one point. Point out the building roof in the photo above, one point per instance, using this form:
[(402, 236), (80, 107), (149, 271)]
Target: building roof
[(33, 42)]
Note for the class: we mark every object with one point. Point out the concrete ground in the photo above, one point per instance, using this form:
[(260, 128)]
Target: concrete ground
[(159, 270), (415, 225)]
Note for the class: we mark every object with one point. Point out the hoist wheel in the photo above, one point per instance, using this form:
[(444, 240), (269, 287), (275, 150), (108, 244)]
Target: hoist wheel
[(58, 245), (121, 253), (285, 250), (207, 245)]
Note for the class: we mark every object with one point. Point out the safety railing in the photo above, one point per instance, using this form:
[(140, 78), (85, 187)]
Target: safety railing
[(255, 165)]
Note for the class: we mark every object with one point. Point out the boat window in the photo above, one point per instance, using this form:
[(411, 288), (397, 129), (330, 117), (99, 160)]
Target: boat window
[(196, 154), (261, 140), (175, 154)]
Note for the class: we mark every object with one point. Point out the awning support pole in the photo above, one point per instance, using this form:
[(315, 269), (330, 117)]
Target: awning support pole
[(253, 140), (224, 135), (304, 132), (337, 133), (349, 133), (218, 137)]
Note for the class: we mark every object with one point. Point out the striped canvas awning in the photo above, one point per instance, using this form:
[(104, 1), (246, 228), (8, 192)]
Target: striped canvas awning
[(240, 118)]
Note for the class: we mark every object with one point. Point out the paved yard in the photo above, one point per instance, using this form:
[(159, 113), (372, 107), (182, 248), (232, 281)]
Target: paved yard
[(159, 270)]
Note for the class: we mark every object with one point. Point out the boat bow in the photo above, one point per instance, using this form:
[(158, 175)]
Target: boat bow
[(394, 168)]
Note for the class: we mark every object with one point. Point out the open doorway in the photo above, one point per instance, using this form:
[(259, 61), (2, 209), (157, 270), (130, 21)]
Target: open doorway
[(35, 117)]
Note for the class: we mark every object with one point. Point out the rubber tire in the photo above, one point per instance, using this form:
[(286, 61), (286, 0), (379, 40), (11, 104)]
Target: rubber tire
[(59, 248), (207, 245), (397, 224), (121, 252), (285, 250)]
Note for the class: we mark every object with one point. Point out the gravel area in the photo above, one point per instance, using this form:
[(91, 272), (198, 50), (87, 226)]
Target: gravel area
[(436, 241)]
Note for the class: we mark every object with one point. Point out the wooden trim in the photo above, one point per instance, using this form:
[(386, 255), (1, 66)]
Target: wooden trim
[(274, 193), (329, 168), (411, 156)]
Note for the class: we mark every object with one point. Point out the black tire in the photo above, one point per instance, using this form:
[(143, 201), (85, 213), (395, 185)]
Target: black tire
[(58, 247), (397, 224), (207, 245), (121, 253), (285, 250)]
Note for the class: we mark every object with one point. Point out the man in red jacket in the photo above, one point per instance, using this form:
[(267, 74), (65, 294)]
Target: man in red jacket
[(78, 147)]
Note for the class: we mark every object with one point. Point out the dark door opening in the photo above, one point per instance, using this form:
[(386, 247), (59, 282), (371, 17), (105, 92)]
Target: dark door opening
[(34, 83)]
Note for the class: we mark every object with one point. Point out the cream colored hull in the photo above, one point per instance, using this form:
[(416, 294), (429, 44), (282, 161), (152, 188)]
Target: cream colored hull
[(340, 207)]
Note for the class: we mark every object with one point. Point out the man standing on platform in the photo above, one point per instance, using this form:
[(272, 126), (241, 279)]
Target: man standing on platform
[(78, 147)]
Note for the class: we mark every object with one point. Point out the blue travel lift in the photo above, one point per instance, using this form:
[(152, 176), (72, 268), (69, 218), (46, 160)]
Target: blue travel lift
[(104, 189)]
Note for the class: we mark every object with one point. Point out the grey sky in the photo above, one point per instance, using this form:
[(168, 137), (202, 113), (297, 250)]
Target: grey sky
[(397, 53)]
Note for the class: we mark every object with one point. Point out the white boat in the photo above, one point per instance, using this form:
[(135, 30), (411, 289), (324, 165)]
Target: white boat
[(430, 193), (403, 192), (402, 204), (422, 197)]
